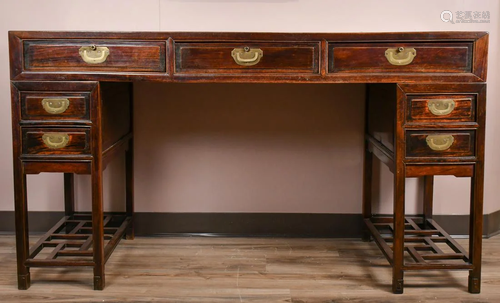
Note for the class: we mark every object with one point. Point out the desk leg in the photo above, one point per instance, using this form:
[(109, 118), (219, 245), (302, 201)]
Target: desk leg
[(69, 197), (22, 236), (399, 195), (367, 190), (129, 180), (398, 229), (476, 228), (428, 197), (97, 223), (69, 194)]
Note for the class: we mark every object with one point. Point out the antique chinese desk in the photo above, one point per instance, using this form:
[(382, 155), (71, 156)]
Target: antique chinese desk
[(425, 116)]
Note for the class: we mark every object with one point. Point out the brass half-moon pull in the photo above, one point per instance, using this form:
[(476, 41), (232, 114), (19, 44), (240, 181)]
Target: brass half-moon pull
[(400, 56), (55, 106), (439, 142), (247, 56), (55, 140), (441, 107), (94, 54)]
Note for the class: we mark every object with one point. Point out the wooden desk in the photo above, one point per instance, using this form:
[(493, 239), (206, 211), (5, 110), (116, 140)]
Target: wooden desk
[(71, 113)]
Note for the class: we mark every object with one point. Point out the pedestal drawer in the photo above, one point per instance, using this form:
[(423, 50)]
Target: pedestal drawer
[(443, 143), (441, 108), (55, 141), (55, 106), (252, 57), (404, 57), (94, 55)]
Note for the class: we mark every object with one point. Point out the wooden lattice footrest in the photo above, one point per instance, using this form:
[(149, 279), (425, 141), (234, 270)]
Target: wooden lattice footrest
[(427, 245), (69, 242)]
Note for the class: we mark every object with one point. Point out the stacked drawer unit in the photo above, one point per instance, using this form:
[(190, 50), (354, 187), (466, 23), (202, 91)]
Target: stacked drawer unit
[(441, 127), (55, 120), (424, 130)]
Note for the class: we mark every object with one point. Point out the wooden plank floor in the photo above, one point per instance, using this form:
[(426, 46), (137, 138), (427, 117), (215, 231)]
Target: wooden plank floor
[(212, 269)]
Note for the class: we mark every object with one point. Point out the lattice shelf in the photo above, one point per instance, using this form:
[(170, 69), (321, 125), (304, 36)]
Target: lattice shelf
[(69, 242), (427, 245)]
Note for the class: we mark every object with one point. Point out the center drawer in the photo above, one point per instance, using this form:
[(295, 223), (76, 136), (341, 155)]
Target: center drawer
[(238, 58)]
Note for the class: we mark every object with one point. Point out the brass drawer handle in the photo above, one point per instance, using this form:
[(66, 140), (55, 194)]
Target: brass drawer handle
[(247, 56), (55, 140), (439, 142), (441, 107), (55, 106), (400, 55), (94, 54)]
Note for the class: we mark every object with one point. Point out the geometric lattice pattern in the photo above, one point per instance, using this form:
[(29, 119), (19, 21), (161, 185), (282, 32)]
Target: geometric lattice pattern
[(70, 241), (427, 245)]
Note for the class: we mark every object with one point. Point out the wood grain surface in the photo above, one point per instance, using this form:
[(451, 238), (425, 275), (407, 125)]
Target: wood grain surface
[(196, 269)]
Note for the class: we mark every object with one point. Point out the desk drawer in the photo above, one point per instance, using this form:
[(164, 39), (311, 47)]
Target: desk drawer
[(446, 143), (94, 55), (237, 58), (56, 141), (55, 106), (441, 108), (453, 57)]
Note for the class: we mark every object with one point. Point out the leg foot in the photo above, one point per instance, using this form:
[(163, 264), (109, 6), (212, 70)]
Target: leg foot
[(129, 234), (474, 285), (98, 283), (397, 286), (366, 236), (23, 281)]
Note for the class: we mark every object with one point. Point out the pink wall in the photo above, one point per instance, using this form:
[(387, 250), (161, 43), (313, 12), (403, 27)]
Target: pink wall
[(248, 148)]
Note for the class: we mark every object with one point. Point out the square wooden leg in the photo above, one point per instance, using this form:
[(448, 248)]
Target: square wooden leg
[(428, 198), (69, 196), (367, 190), (129, 181), (22, 236), (399, 230), (97, 224), (476, 228)]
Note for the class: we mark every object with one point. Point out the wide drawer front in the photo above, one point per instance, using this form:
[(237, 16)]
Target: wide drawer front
[(247, 58), (449, 143), (94, 55), (441, 108), (37, 106), (408, 57), (56, 141)]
